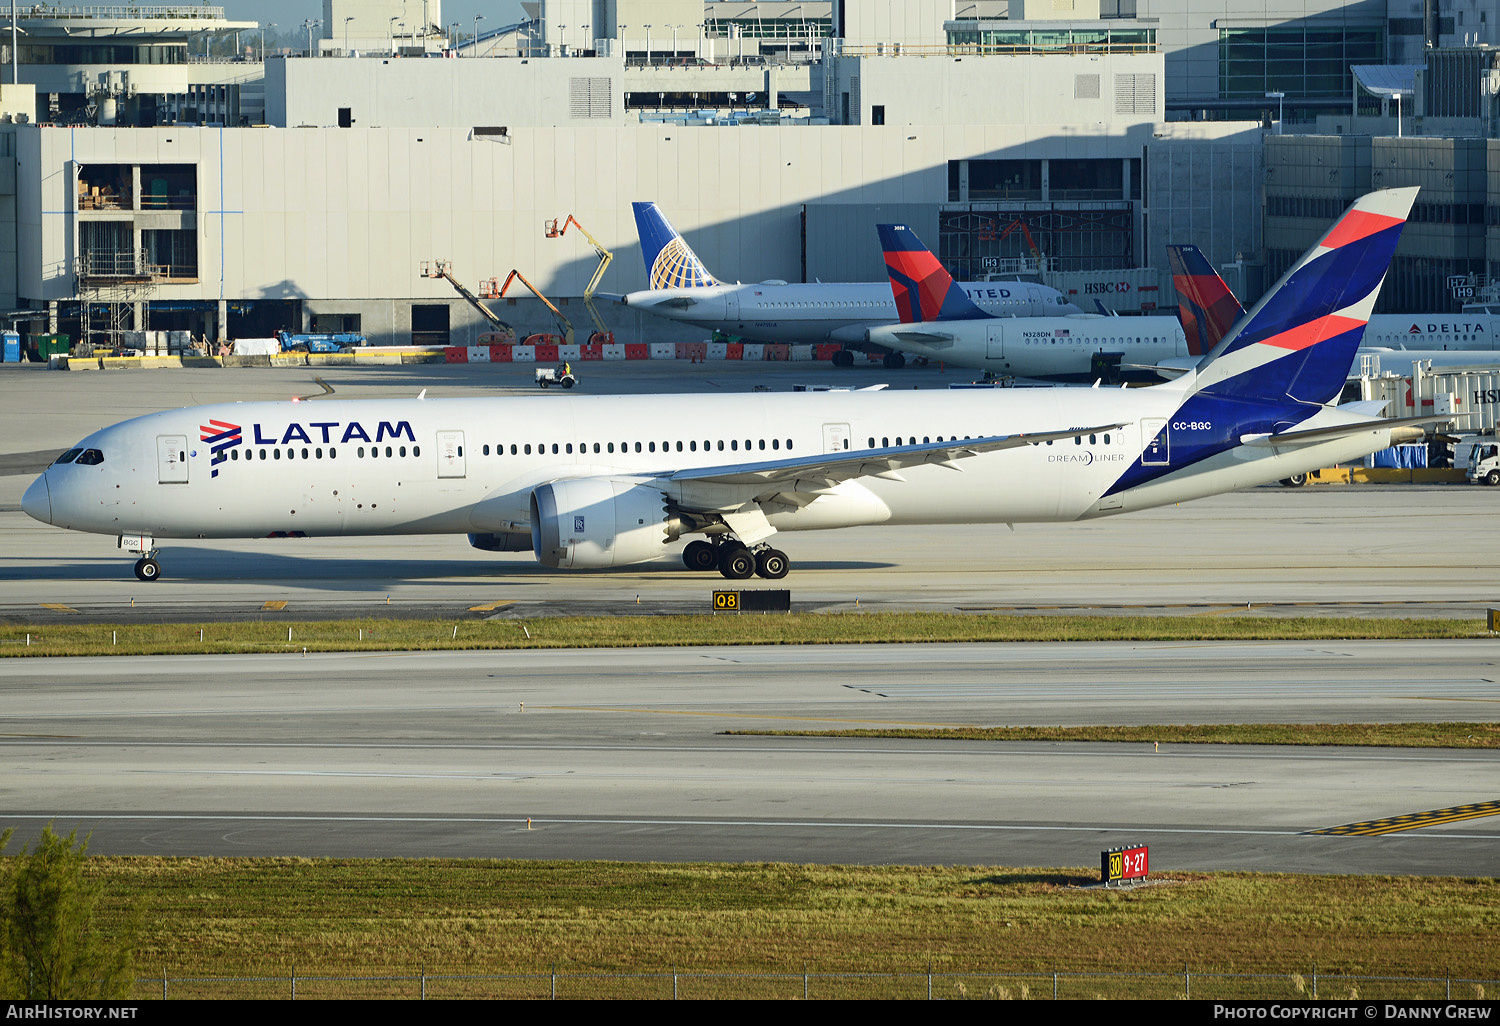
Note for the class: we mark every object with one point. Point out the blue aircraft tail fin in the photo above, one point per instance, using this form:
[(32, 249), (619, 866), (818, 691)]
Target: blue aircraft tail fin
[(670, 261)]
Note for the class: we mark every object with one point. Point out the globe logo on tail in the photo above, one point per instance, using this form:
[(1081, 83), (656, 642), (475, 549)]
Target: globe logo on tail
[(677, 267)]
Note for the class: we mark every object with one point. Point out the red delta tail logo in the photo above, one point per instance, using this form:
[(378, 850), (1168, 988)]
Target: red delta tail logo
[(221, 436), (1206, 307), (923, 290)]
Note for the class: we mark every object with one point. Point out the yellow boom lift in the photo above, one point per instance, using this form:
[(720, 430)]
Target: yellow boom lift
[(444, 269), (602, 334)]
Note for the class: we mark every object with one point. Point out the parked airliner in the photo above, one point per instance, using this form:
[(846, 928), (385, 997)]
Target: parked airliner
[(682, 289), (590, 482), (1208, 309), (940, 323)]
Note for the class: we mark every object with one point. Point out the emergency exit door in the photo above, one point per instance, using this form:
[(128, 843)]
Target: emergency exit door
[(450, 454), (171, 459)]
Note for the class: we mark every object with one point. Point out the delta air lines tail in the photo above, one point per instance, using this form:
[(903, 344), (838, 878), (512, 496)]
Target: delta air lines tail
[(1206, 307), (924, 291)]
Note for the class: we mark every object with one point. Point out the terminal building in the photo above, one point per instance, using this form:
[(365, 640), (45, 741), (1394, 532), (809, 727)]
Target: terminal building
[(235, 195)]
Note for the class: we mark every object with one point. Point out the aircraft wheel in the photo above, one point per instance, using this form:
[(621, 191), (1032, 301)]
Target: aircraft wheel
[(771, 564), (1492, 478), (699, 555), (1295, 481), (843, 358), (895, 361), (737, 563), (147, 569)]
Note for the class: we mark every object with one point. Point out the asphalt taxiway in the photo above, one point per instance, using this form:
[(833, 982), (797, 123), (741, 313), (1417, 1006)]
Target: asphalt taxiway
[(624, 755)]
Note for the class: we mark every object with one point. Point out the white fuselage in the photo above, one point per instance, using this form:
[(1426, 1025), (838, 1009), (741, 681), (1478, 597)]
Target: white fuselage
[(1432, 331), (470, 465), (1041, 347), (818, 312)]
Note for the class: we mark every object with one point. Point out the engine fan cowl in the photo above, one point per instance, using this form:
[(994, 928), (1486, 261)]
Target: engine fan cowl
[(591, 523)]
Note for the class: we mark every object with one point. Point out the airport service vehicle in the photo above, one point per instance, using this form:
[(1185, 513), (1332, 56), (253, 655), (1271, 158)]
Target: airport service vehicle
[(316, 342), (555, 376), (1392, 342), (588, 482), (1484, 463), (775, 311), (940, 322)]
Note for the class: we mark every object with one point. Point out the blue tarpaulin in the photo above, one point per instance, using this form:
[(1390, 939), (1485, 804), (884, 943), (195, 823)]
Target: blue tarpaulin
[(1399, 457)]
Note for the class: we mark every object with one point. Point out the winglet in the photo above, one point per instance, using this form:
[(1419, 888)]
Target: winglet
[(924, 291), (670, 261)]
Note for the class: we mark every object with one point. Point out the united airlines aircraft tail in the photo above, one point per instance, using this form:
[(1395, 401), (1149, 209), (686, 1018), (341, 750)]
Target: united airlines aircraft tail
[(1297, 343), (1206, 307), (670, 261), (923, 290)]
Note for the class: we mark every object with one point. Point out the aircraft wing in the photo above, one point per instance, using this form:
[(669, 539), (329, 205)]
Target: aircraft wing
[(1313, 436), (732, 485)]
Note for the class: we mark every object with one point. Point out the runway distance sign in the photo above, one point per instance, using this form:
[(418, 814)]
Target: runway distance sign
[(1119, 864), (763, 600)]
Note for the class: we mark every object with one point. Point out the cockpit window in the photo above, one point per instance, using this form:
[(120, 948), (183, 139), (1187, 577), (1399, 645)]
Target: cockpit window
[(67, 457), (91, 457)]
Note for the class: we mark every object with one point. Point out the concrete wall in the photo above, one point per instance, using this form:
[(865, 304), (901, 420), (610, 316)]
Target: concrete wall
[(387, 92), (1046, 89), (346, 216)]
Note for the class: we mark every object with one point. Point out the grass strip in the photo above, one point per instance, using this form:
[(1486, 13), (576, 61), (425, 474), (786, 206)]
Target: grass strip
[(662, 631), (1457, 734), (263, 916)]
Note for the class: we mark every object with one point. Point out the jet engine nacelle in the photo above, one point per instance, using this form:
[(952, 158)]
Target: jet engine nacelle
[(596, 522)]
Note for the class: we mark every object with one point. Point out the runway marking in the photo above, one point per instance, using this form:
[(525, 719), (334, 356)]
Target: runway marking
[(753, 716), (1414, 820), (59, 607), (664, 822), (273, 605), (490, 607)]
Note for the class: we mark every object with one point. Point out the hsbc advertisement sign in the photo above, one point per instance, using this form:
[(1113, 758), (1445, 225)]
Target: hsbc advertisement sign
[(1126, 290)]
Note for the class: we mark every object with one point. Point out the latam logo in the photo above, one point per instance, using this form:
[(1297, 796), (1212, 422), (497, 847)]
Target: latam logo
[(1099, 288), (221, 436), (1446, 328), (329, 432)]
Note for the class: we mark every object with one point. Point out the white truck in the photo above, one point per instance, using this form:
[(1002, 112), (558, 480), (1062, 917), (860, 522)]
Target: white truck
[(1480, 459)]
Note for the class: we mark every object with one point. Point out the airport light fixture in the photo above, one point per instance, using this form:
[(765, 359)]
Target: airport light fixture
[(263, 40), (648, 44), (477, 19), (390, 34), (346, 34), (1280, 99), (309, 25)]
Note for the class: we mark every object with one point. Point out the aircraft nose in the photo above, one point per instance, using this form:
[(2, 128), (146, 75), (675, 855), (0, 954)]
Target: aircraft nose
[(37, 502)]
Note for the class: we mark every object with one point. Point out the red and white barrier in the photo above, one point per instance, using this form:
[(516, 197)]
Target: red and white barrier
[(694, 352)]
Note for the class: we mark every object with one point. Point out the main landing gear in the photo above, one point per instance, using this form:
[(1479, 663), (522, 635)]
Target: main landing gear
[(736, 562)]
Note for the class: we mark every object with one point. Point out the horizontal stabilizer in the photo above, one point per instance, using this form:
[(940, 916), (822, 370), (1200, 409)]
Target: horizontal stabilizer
[(930, 339), (1312, 436)]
